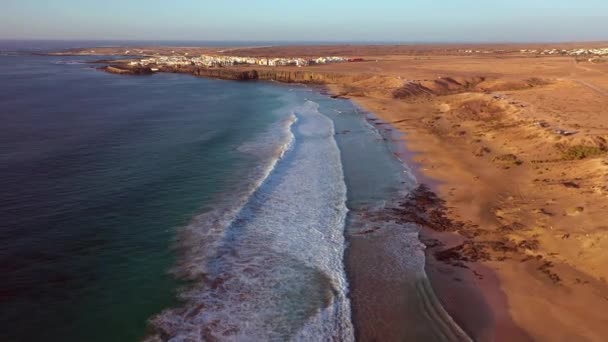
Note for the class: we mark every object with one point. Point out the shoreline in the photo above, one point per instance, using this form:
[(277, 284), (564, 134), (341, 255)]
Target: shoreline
[(464, 295), (500, 279), (461, 293), (522, 192), (390, 300), (461, 317)]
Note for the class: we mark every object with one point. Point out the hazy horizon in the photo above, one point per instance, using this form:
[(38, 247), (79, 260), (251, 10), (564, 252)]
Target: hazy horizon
[(303, 42), (380, 21)]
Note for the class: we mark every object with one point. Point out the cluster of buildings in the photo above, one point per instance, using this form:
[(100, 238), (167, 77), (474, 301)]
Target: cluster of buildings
[(571, 52), (561, 52), (478, 51), (220, 61)]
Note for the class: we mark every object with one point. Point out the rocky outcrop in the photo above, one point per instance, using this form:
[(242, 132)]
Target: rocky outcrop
[(122, 70), (235, 74), (285, 76)]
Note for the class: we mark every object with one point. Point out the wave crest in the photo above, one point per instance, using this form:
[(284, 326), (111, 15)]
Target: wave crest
[(270, 267)]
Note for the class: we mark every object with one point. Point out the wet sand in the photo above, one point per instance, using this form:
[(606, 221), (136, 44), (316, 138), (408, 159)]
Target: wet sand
[(386, 297), (389, 301), (391, 296)]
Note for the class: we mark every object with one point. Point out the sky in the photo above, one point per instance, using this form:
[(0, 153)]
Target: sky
[(307, 20)]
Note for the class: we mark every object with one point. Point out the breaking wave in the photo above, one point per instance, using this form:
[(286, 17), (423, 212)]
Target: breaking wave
[(269, 267)]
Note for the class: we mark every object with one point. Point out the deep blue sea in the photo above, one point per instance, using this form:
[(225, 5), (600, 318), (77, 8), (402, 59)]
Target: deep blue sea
[(172, 206)]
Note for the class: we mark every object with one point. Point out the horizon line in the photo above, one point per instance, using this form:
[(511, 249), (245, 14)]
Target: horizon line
[(348, 41)]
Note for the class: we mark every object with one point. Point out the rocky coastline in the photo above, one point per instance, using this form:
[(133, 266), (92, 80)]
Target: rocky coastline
[(233, 74)]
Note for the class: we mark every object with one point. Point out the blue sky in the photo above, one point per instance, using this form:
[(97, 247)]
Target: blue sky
[(307, 20)]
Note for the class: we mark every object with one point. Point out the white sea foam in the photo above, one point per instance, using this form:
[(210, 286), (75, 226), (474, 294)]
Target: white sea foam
[(271, 268)]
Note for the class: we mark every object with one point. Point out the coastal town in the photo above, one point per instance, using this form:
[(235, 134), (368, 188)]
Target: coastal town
[(210, 61), (153, 57), (570, 52), (543, 52)]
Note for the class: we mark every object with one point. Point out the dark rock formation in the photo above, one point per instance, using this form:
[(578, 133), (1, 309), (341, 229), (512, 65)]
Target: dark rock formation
[(124, 70), (236, 74)]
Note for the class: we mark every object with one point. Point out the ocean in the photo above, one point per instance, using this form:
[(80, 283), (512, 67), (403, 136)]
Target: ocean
[(169, 206)]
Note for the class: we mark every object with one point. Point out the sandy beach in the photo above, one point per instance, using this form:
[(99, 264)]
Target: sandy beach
[(513, 151)]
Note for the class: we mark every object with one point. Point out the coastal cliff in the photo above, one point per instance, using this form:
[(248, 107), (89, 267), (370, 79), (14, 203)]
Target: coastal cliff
[(235, 74), (268, 75), (121, 70)]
